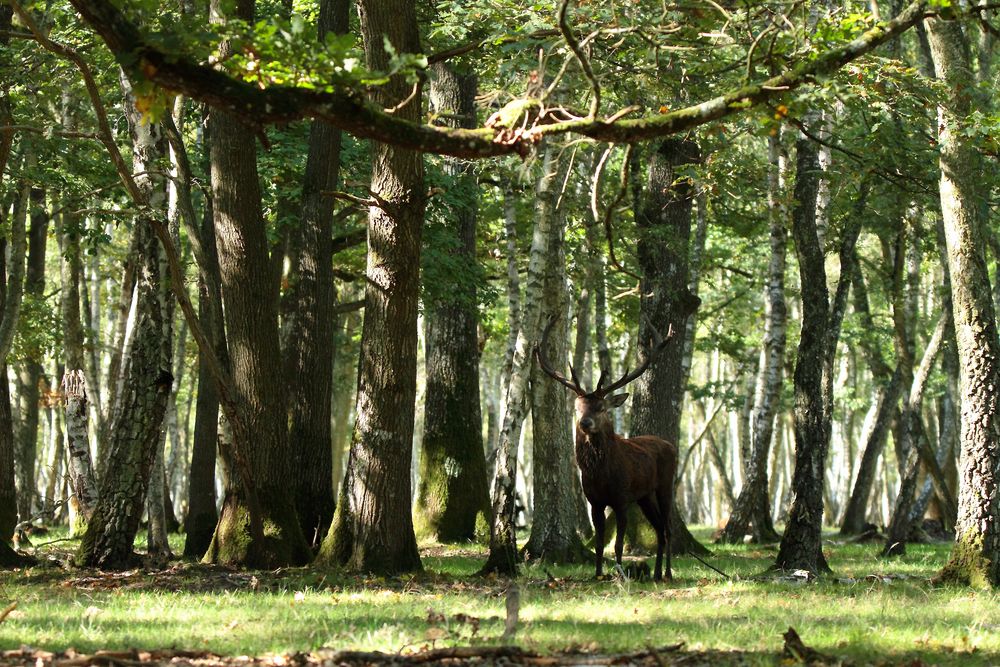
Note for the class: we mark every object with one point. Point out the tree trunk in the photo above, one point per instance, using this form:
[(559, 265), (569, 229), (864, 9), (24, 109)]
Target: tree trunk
[(664, 225), (453, 492), (8, 492), (31, 372), (975, 558), (503, 538), (890, 388), (308, 318), (134, 435), (373, 527), (82, 480), (801, 545), (753, 507), (899, 526), (554, 536), (251, 317)]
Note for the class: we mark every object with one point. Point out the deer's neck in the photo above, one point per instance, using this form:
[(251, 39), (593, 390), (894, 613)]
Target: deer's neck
[(592, 449)]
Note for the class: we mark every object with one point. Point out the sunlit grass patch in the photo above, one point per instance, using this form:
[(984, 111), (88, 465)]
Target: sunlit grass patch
[(869, 610)]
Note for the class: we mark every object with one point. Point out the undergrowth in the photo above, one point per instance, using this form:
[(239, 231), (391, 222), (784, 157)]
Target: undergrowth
[(869, 611)]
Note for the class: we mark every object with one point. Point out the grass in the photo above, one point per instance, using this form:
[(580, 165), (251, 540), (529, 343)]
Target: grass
[(896, 616)]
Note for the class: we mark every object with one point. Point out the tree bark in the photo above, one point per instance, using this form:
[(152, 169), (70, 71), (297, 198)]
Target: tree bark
[(554, 536), (308, 318), (975, 558), (899, 526), (453, 493), (31, 373), (503, 538), (753, 506), (134, 435), (801, 545), (664, 224), (372, 529), (251, 317)]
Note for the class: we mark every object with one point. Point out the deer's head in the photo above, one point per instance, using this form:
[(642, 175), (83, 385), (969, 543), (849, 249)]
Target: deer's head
[(593, 407)]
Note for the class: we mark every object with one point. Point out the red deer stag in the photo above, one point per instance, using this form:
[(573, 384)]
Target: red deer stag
[(617, 471)]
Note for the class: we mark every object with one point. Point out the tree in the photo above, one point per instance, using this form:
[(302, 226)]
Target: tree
[(146, 378), (308, 318), (801, 544), (453, 492), (555, 535), (251, 317), (752, 507), (975, 558), (373, 527), (664, 225)]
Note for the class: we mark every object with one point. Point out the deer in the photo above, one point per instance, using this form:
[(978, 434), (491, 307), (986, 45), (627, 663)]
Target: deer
[(618, 471)]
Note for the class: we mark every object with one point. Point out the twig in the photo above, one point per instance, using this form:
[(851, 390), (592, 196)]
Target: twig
[(588, 71), (6, 612)]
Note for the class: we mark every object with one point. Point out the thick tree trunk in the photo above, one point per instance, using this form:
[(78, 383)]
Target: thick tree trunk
[(664, 223), (503, 538), (31, 372), (308, 318), (975, 558), (373, 527), (8, 492), (801, 545), (453, 492), (753, 507), (251, 316), (554, 536)]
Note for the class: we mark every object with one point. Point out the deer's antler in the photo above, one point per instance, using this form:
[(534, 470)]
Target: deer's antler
[(544, 364), (651, 355)]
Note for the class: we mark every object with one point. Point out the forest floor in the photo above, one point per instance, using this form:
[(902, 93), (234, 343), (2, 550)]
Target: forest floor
[(870, 611)]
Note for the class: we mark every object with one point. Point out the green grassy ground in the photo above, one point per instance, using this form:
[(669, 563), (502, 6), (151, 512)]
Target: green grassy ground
[(895, 616)]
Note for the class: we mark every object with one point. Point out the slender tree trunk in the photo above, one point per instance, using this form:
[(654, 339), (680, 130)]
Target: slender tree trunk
[(308, 318), (503, 539), (135, 433), (373, 527), (453, 492), (975, 559), (31, 372), (801, 545), (664, 223), (82, 480), (753, 507), (899, 526), (554, 536)]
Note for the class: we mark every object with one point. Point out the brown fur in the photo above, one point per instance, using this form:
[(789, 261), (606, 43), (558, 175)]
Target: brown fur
[(617, 472)]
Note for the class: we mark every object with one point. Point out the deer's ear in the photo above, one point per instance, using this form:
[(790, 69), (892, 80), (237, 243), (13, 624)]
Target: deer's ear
[(616, 401)]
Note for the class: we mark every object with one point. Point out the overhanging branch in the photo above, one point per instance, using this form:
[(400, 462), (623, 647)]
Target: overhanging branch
[(348, 111)]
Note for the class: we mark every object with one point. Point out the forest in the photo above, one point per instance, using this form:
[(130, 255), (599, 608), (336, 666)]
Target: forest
[(446, 332)]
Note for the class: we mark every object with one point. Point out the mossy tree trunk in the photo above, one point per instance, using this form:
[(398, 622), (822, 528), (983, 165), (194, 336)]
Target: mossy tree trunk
[(663, 219), (453, 495), (251, 316), (975, 558), (372, 529), (801, 544), (308, 318)]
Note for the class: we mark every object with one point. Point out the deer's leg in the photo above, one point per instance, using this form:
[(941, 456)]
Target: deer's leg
[(597, 515), (665, 499), (652, 512), (621, 523)]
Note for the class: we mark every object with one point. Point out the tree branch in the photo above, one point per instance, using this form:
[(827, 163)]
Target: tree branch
[(348, 110)]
